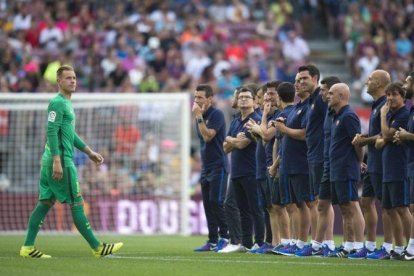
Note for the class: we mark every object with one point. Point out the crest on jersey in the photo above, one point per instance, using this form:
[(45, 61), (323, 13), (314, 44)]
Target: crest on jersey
[(52, 116), (337, 122), (299, 111), (206, 122), (312, 106), (374, 111)]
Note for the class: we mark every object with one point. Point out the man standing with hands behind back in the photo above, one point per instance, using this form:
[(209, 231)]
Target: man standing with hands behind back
[(211, 130)]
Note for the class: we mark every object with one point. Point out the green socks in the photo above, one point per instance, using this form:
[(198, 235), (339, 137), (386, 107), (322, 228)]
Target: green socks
[(83, 226), (78, 214), (35, 222)]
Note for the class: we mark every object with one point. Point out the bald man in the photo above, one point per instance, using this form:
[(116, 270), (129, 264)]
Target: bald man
[(345, 160), (372, 187)]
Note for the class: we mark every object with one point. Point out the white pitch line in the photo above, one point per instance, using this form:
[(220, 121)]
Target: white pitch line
[(245, 261)]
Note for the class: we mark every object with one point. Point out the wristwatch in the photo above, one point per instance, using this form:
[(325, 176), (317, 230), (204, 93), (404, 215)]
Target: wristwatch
[(200, 120)]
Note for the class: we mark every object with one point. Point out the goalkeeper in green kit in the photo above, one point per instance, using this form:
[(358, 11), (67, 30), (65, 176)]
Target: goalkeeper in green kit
[(58, 177)]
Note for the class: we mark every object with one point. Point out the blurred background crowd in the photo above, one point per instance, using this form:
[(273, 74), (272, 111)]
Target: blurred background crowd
[(165, 46)]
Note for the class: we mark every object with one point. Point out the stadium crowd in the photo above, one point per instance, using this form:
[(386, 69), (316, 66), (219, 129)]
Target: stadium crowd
[(150, 46), (375, 34), (164, 46)]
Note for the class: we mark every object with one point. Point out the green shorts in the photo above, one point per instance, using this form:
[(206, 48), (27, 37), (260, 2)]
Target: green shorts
[(66, 190)]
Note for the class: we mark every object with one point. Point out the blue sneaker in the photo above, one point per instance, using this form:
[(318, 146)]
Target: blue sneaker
[(264, 249), (326, 251), (207, 247), (288, 250), (221, 244), (308, 251), (379, 254), (276, 248), (360, 254)]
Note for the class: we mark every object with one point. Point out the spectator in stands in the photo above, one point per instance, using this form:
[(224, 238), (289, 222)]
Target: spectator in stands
[(295, 48), (364, 66), (23, 20), (227, 83), (51, 37), (125, 140)]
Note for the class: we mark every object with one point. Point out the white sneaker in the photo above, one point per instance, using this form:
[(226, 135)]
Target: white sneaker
[(233, 248), (254, 248)]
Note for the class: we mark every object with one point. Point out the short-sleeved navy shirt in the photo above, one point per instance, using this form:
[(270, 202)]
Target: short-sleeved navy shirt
[(394, 156), (269, 144), (327, 126), (212, 152), (294, 152), (410, 144), (260, 153), (243, 161), (342, 156), (374, 162), (283, 114), (314, 127)]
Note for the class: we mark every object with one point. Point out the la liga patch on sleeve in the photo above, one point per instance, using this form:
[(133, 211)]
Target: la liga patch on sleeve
[(52, 116)]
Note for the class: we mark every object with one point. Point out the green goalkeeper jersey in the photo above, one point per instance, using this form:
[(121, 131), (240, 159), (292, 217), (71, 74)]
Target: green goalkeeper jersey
[(61, 134)]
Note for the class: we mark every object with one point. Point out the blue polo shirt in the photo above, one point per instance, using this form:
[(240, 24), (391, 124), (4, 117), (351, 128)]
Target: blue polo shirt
[(279, 136), (410, 144), (269, 145), (374, 155), (294, 152), (212, 153), (342, 156), (394, 156), (260, 152), (327, 126), (314, 127), (243, 161)]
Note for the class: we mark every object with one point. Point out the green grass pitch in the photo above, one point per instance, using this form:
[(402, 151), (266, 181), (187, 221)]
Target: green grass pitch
[(172, 255)]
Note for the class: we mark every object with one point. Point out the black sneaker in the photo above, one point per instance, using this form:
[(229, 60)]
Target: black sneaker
[(407, 256), (344, 254), (395, 256)]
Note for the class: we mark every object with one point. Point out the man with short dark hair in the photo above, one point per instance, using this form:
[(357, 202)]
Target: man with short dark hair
[(211, 130), (282, 204), (294, 160), (394, 115), (230, 204), (242, 146), (407, 136), (323, 244), (266, 142)]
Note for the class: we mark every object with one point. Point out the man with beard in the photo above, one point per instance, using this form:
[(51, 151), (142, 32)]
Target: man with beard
[(394, 162), (266, 133), (407, 136)]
